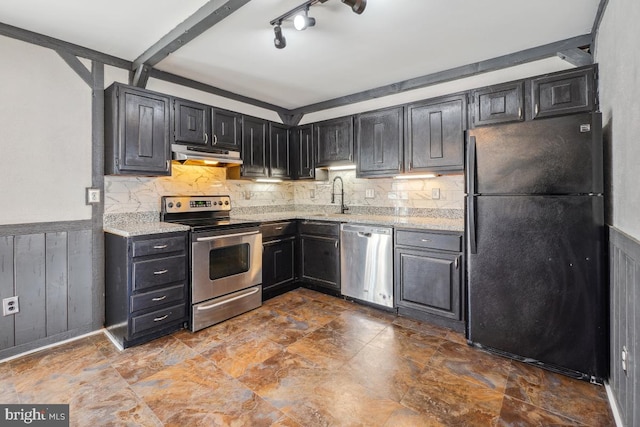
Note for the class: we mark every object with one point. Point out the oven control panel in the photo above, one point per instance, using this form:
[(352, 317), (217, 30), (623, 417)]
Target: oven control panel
[(181, 204)]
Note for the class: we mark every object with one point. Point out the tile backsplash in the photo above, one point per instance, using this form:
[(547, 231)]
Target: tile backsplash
[(142, 194)]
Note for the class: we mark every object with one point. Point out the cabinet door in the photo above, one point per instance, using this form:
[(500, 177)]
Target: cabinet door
[(563, 93), (302, 152), (144, 145), (497, 104), (225, 129), (428, 281), (254, 148), (435, 135), (334, 141), (279, 153), (320, 261), (278, 263), (190, 122), (379, 143)]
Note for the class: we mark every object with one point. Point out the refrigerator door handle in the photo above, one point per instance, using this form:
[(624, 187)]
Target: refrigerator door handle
[(471, 225), (471, 165)]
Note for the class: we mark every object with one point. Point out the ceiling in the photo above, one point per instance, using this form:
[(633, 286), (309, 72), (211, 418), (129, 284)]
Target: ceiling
[(345, 53)]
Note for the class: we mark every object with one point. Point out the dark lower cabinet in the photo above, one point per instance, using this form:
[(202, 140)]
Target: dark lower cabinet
[(137, 132), (320, 254), (428, 276), (279, 241), (146, 286)]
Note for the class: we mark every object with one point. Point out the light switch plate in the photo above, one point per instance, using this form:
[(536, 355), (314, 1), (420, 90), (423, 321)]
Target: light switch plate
[(435, 193), (369, 193), (93, 196)]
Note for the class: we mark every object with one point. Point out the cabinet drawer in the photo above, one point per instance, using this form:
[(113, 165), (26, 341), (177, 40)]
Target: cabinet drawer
[(158, 246), (321, 228), (156, 272), (277, 229), (420, 239), (157, 319), (160, 297)]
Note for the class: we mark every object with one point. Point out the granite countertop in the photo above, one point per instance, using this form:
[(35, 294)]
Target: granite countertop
[(130, 229), (426, 223)]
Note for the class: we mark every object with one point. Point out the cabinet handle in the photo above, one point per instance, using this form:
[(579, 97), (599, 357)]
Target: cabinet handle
[(520, 112), (536, 110), (161, 318), (336, 244), (157, 273), (214, 139), (160, 246), (159, 298), (168, 164), (311, 172), (425, 240), (279, 228), (456, 263), (206, 138)]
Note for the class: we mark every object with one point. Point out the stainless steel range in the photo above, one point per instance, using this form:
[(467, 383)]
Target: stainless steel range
[(226, 258)]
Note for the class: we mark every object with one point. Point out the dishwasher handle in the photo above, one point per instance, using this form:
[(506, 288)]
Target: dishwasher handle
[(363, 234), (365, 231)]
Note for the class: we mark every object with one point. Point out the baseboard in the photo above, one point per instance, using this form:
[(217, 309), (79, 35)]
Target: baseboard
[(614, 406), (52, 345)]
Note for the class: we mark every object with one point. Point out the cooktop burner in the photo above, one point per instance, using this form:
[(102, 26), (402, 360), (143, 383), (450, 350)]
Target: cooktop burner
[(201, 212)]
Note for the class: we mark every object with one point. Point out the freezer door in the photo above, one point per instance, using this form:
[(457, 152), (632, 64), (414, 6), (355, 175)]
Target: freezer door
[(535, 281), (560, 155)]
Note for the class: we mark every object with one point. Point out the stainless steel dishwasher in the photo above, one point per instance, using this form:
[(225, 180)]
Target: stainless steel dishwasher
[(366, 263)]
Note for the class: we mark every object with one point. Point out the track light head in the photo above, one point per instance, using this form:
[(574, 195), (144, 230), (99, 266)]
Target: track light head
[(302, 21), (279, 41), (356, 5)]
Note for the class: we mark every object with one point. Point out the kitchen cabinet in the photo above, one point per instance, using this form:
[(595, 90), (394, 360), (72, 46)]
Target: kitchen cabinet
[(379, 143), (279, 152), (225, 129), (279, 241), (137, 132), (190, 122), (334, 141), (254, 148), (428, 276), (302, 152), (497, 104), (434, 137), (320, 254), (563, 93), (145, 286)]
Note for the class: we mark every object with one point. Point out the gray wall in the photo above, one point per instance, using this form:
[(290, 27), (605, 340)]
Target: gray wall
[(619, 60)]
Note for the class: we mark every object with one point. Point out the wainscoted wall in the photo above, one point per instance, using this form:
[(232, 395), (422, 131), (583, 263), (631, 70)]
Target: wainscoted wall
[(49, 267), (141, 194), (624, 257)]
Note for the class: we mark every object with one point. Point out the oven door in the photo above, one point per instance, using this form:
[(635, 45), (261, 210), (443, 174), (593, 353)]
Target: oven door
[(224, 263)]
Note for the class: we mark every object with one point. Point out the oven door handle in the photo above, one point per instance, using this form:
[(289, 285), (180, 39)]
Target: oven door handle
[(225, 236), (237, 297)]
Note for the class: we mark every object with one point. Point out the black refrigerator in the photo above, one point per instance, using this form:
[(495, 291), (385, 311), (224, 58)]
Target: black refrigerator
[(536, 243)]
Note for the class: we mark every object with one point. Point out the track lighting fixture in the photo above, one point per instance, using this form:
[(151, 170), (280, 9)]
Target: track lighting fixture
[(302, 20), (279, 41)]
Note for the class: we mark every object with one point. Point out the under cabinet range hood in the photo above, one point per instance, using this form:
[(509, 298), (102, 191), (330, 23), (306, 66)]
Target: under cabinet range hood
[(201, 156)]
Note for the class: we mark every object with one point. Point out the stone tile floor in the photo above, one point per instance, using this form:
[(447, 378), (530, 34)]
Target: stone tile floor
[(302, 359)]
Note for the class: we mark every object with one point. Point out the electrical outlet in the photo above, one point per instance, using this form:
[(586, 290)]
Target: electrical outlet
[(93, 196), (369, 193), (10, 306), (312, 193), (435, 193)]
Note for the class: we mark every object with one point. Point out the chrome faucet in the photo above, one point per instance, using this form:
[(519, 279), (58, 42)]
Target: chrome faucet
[(343, 207)]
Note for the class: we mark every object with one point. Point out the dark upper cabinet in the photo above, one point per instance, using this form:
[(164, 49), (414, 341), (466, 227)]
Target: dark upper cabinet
[(279, 151), (254, 148), (334, 141), (497, 104), (303, 163), (137, 132), (563, 93), (190, 122), (225, 129), (379, 138)]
